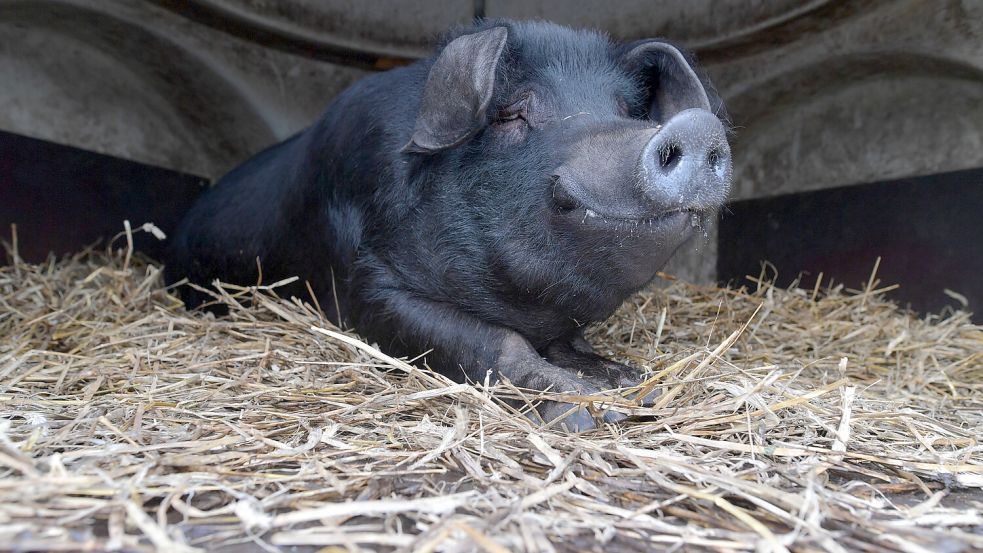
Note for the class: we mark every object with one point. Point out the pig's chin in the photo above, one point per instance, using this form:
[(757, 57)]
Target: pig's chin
[(636, 247)]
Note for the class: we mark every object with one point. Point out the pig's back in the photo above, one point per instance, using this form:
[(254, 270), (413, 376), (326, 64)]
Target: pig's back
[(299, 204)]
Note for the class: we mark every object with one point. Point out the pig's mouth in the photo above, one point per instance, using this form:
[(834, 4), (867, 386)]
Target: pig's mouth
[(591, 214), (678, 219), (573, 209)]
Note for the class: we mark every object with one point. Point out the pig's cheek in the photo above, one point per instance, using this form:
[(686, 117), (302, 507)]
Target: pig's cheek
[(510, 133)]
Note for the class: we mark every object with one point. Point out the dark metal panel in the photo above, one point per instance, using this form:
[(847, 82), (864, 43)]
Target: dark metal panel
[(63, 199), (927, 230)]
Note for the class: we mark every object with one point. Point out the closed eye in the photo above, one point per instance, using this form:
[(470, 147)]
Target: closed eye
[(513, 112), (504, 117)]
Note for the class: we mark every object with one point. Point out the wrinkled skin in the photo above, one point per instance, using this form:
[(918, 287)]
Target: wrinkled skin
[(485, 204)]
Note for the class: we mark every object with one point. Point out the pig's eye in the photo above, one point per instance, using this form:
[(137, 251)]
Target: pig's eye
[(511, 123), (512, 114)]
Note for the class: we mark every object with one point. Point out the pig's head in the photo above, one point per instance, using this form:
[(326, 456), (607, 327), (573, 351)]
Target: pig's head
[(585, 163)]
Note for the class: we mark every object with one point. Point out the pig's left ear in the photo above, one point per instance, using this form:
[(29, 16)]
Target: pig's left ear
[(458, 91), (668, 74)]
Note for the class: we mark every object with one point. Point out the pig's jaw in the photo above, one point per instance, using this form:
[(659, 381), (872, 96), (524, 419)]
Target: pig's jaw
[(635, 249)]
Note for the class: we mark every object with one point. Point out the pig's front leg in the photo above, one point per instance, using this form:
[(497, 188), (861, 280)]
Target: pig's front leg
[(524, 366), (576, 355), (461, 342)]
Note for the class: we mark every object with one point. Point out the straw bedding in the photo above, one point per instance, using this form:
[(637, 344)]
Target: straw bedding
[(803, 420)]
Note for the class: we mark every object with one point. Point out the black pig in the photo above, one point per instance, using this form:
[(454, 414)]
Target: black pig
[(485, 203)]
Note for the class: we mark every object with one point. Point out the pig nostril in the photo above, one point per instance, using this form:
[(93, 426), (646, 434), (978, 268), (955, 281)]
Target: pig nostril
[(713, 159), (669, 155)]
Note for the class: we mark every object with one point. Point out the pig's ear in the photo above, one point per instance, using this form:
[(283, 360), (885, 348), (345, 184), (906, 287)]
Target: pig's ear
[(672, 83), (458, 91)]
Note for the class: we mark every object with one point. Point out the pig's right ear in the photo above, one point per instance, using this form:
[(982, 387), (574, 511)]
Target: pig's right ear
[(672, 83), (458, 92)]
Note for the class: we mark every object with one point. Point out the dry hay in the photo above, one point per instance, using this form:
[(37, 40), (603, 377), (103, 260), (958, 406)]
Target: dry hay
[(801, 420)]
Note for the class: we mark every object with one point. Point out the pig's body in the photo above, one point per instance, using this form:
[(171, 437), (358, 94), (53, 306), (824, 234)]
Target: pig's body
[(436, 221)]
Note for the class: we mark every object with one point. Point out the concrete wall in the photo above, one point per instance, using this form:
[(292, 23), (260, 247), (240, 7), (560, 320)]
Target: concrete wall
[(132, 79), (821, 93)]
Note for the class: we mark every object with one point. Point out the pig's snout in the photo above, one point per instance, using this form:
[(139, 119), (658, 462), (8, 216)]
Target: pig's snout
[(686, 165), (645, 172)]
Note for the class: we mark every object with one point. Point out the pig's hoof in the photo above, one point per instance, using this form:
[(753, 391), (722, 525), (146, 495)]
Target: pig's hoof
[(646, 401), (578, 420), (614, 416), (571, 417), (629, 380), (577, 357)]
